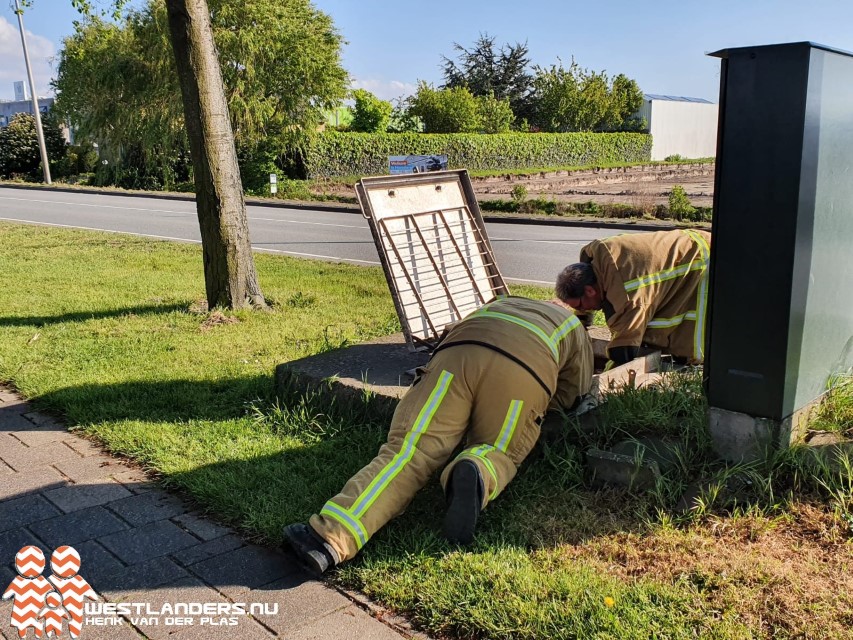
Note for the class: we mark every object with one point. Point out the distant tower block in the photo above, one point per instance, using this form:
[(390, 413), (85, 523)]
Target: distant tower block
[(21, 93), (781, 301)]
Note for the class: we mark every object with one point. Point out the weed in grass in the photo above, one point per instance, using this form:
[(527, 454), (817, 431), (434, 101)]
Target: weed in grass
[(836, 412), (644, 203), (301, 300)]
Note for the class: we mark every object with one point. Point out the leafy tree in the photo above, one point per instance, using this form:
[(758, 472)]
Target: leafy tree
[(281, 63), (277, 95), (19, 148), (445, 110), (495, 115), (626, 98), (485, 70), (577, 99), (370, 114), (402, 120)]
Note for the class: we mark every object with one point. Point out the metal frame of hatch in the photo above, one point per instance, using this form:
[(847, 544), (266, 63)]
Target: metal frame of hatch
[(437, 260)]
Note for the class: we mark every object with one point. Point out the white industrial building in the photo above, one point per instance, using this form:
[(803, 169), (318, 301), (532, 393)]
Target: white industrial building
[(10, 108), (680, 126), (21, 104)]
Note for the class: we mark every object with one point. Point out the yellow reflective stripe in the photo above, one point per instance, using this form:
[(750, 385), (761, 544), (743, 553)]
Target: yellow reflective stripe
[(522, 323), (662, 276), (349, 522), (565, 329), (699, 331), (509, 425), (399, 461), (674, 272), (700, 242), (480, 454), (701, 297), (665, 323)]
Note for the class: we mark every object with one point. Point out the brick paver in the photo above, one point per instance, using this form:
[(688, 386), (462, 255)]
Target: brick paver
[(141, 545), (78, 526)]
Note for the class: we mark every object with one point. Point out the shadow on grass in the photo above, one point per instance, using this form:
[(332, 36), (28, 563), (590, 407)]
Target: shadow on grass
[(156, 401), (82, 316), (325, 440), (538, 509)]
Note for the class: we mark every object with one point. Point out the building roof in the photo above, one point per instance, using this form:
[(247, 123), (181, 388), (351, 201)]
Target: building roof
[(655, 96)]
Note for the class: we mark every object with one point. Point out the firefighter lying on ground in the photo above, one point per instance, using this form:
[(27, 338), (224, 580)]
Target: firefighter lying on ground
[(652, 287), (490, 381)]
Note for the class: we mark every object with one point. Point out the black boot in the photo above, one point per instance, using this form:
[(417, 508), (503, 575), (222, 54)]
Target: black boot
[(314, 552), (464, 498)]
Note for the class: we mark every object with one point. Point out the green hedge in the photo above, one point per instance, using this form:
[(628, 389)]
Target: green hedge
[(335, 153)]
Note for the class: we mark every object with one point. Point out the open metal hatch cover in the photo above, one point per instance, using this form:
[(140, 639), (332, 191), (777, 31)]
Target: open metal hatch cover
[(433, 246)]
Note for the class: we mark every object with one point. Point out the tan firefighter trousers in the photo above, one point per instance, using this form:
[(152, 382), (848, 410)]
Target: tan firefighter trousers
[(466, 391)]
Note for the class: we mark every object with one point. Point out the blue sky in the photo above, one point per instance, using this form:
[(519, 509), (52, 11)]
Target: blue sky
[(391, 45)]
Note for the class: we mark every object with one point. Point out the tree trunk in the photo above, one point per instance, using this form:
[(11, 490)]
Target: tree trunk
[(229, 268)]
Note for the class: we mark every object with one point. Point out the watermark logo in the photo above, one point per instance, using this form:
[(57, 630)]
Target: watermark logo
[(44, 604), (65, 600)]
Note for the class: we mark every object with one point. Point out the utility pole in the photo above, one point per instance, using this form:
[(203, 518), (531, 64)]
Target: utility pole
[(34, 95)]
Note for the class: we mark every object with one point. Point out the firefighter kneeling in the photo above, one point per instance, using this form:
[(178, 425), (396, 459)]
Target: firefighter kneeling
[(489, 382)]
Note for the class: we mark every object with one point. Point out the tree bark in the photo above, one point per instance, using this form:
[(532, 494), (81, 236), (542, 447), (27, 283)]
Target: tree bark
[(229, 268)]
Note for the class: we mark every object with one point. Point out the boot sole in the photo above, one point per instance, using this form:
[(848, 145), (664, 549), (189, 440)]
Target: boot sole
[(460, 521), (306, 555)]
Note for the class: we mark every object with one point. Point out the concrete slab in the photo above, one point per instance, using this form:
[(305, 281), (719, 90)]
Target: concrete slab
[(738, 437), (621, 470), (378, 366), (381, 367), (663, 452)]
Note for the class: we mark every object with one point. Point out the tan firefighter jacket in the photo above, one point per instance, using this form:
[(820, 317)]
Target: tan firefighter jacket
[(544, 338), (655, 287)]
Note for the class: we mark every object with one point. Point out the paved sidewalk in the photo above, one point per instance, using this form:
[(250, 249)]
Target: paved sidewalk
[(139, 544)]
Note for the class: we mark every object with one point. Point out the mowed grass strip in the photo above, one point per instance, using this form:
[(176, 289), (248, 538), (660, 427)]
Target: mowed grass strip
[(108, 330)]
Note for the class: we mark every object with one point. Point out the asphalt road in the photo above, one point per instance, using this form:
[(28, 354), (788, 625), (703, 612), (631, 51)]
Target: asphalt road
[(524, 253)]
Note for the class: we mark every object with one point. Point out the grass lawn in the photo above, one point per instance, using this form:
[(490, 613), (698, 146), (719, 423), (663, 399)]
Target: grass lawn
[(109, 331)]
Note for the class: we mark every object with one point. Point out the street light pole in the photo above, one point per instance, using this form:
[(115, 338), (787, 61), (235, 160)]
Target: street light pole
[(34, 95)]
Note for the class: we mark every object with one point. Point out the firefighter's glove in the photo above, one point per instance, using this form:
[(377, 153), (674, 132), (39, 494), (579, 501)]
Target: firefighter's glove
[(587, 403)]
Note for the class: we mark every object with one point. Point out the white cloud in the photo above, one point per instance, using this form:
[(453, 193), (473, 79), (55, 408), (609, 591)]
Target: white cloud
[(12, 67), (385, 89)]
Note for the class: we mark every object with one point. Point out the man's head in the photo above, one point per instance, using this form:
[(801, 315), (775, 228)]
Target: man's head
[(578, 288)]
